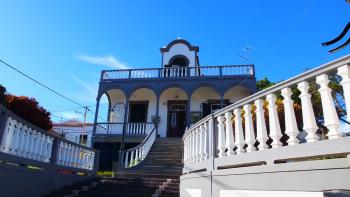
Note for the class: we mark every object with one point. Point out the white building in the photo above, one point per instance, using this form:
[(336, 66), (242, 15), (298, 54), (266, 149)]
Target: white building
[(180, 92)]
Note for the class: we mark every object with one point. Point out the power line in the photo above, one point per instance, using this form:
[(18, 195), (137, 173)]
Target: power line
[(41, 84), (48, 88)]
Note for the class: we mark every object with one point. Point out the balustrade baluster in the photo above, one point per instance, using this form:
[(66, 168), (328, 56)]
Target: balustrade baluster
[(261, 133), (59, 154), (344, 73), (249, 128), (64, 153), (15, 139), (309, 120), (20, 139), (239, 136), (201, 142), (330, 115), (274, 124), (205, 142), (132, 158), (221, 136), (230, 143), (289, 117), (126, 159), (24, 141), (193, 147)]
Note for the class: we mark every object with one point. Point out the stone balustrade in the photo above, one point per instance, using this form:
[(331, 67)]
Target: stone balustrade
[(227, 138), (24, 140), (131, 128), (179, 72), (134, 156)]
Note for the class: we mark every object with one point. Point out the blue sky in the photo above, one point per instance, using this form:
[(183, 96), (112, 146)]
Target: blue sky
[(66, 44)]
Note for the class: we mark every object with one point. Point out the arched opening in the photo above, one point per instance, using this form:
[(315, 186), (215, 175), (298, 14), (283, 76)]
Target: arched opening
[(142, 105), (117, 106), (173, 112), (178, 61), (204, 101), (236, 93), (103, 108)]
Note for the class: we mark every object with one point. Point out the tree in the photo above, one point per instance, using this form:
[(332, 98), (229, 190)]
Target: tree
[(26, 108)]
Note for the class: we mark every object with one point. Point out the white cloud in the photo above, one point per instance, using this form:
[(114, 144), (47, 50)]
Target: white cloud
[(109, 61)]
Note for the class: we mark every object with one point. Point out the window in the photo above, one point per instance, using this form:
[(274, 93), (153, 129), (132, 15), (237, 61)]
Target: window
[(138, 111), (83, 139)]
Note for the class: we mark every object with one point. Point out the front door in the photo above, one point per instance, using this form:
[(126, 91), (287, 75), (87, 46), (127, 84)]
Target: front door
[(176, 118)]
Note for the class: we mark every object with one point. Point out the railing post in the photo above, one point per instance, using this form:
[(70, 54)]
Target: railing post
[(129, 75), (3, 120), (54, 151), (220, 71)]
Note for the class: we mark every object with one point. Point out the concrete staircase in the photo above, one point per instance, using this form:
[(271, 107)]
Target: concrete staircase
[(157, 176), (164, 159)]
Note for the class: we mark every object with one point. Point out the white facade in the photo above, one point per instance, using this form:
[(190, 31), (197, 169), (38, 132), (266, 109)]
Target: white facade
[(75, 132)]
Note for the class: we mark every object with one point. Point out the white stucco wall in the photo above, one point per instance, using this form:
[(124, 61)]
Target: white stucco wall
[(115, 96), (201, 95), (179, 49), (169, 94), (72, 133), (144, 94), (236, 93)]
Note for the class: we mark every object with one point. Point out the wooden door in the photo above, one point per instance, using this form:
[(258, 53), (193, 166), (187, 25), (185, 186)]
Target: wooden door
[(176, 118)]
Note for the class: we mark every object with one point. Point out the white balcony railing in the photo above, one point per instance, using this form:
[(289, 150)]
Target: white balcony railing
[(131, 128), (179, 72), (134, 156), (237, 135), (27, 141)]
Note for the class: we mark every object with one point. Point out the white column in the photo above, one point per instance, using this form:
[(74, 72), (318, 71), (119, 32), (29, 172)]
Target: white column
[(330, 115), (239, 136), (230, 141), (221, 136), (289, 117), (344, 72), (249, 128), (309, 121), (261, 135), (274, 123)]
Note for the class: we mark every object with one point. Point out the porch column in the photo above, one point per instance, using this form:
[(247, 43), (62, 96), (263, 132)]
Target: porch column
[(125, 121), (221, 101), (157, 112), (96, 114), (188, 112)]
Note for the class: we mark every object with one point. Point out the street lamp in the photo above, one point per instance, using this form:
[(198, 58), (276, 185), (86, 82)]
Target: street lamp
[(119, 109)]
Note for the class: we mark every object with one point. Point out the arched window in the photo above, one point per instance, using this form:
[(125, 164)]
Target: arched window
[(179, 60)]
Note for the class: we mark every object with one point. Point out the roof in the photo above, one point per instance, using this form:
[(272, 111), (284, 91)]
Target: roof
[(71, 123), (181, 41)]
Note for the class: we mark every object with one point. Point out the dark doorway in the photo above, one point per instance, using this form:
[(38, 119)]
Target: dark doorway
[(176, 118), (138, 111), (212, 106)]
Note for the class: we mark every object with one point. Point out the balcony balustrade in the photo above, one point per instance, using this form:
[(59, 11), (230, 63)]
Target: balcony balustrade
[(237, 135), (131, 128), (179, 72), (23, 140)]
